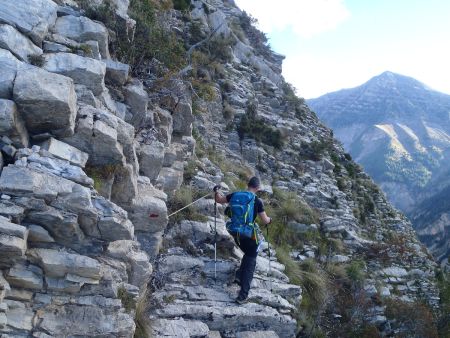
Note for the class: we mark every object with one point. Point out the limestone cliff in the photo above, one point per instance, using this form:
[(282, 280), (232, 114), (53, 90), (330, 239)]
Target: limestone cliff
[(114, 112)]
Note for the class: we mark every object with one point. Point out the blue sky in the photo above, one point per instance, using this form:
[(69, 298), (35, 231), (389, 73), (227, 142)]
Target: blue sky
[(335, 44)]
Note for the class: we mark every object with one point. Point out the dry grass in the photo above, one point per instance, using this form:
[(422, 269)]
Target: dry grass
[(143, 329)]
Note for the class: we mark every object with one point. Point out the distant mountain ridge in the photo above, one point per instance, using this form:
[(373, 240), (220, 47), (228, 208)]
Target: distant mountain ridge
[(399, 130)]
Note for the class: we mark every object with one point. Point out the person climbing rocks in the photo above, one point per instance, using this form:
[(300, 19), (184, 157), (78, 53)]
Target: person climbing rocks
[(243, 209)]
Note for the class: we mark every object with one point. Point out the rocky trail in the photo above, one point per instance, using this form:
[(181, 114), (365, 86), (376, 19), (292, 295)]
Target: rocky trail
[(108, 124)]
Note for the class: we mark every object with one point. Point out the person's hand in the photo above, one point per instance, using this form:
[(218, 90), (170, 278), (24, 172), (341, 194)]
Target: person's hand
[(216, 188)]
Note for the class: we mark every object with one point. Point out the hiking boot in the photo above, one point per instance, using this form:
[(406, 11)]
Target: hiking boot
[(241, 300)]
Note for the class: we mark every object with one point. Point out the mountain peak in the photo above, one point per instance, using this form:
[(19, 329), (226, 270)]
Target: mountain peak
[(389, 79)]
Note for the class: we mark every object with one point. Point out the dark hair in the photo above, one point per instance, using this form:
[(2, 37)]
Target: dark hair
[(254, 183)]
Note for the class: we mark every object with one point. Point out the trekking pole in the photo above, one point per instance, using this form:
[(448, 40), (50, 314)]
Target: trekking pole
[(215, 240), (270, 270), (186, 206)]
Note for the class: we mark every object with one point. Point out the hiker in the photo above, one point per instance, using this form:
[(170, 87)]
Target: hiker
[(243, 229)]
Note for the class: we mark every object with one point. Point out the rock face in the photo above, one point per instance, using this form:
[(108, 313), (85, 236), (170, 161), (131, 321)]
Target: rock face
[(19, 45), (9, 65), (31, 17), (46, 100), (94, 163), (84, 71), (82, 29), (12, 124)]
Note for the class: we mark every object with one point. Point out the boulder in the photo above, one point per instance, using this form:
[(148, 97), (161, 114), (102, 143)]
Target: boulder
[(4, 288), (12, 124), (327, 164), (65, 151), (31, 17), (19, 316), (12, 211), (113, 222), (13, 242), (395, 271), (85, 321), (62, 285), (9, 65), (27, 277), (20, 181), (39, 234), (116, 72), (12, 40), (12, 229), (86, 97), (151, 158), (42, 160), (96, 134), (124, 188), (170, 179), (200, 233), (129, 252), (82, 70), (147, 212), (57, 263), (82, 29), (183, 119), (112, 228), (164, 125), (137, 99), (47, 101), (178, 328), (54, 47), (62, 225)]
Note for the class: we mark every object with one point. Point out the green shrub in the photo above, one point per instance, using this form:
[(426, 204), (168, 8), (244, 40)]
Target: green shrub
[(228, 111), (254, 127), (219, 48), (444, 294), (143, 329), (101, 174), (410, 318), (291, 97), (151, 39), (182, 197), (306, 274), (315, 150), (127, 299), (351, 169), (204, 89), (181, 5), (36, 60), (356, 271), (190, 170), (257, 38), (227, 86)]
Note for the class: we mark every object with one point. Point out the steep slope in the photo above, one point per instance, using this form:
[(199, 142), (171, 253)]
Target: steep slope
[(399, 130), (99, 155)]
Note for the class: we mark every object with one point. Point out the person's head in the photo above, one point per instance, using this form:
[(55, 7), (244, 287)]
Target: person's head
[(254, 184)]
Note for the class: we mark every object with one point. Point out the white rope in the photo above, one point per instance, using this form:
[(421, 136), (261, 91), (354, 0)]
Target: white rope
[(186, 206)]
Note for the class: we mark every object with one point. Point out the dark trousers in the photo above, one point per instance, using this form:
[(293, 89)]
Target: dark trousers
[(248, 264)]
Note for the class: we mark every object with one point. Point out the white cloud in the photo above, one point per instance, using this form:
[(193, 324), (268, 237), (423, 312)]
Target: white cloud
[(306, 18)]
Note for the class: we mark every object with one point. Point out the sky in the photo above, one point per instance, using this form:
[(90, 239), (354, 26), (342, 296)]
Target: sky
[(335, 44)]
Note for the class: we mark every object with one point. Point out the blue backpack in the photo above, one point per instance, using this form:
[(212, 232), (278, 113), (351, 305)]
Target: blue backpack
[(241, 210)]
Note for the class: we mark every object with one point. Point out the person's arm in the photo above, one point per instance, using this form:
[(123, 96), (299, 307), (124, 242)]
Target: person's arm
[(261, 212), (219, 198), (266, 219)]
